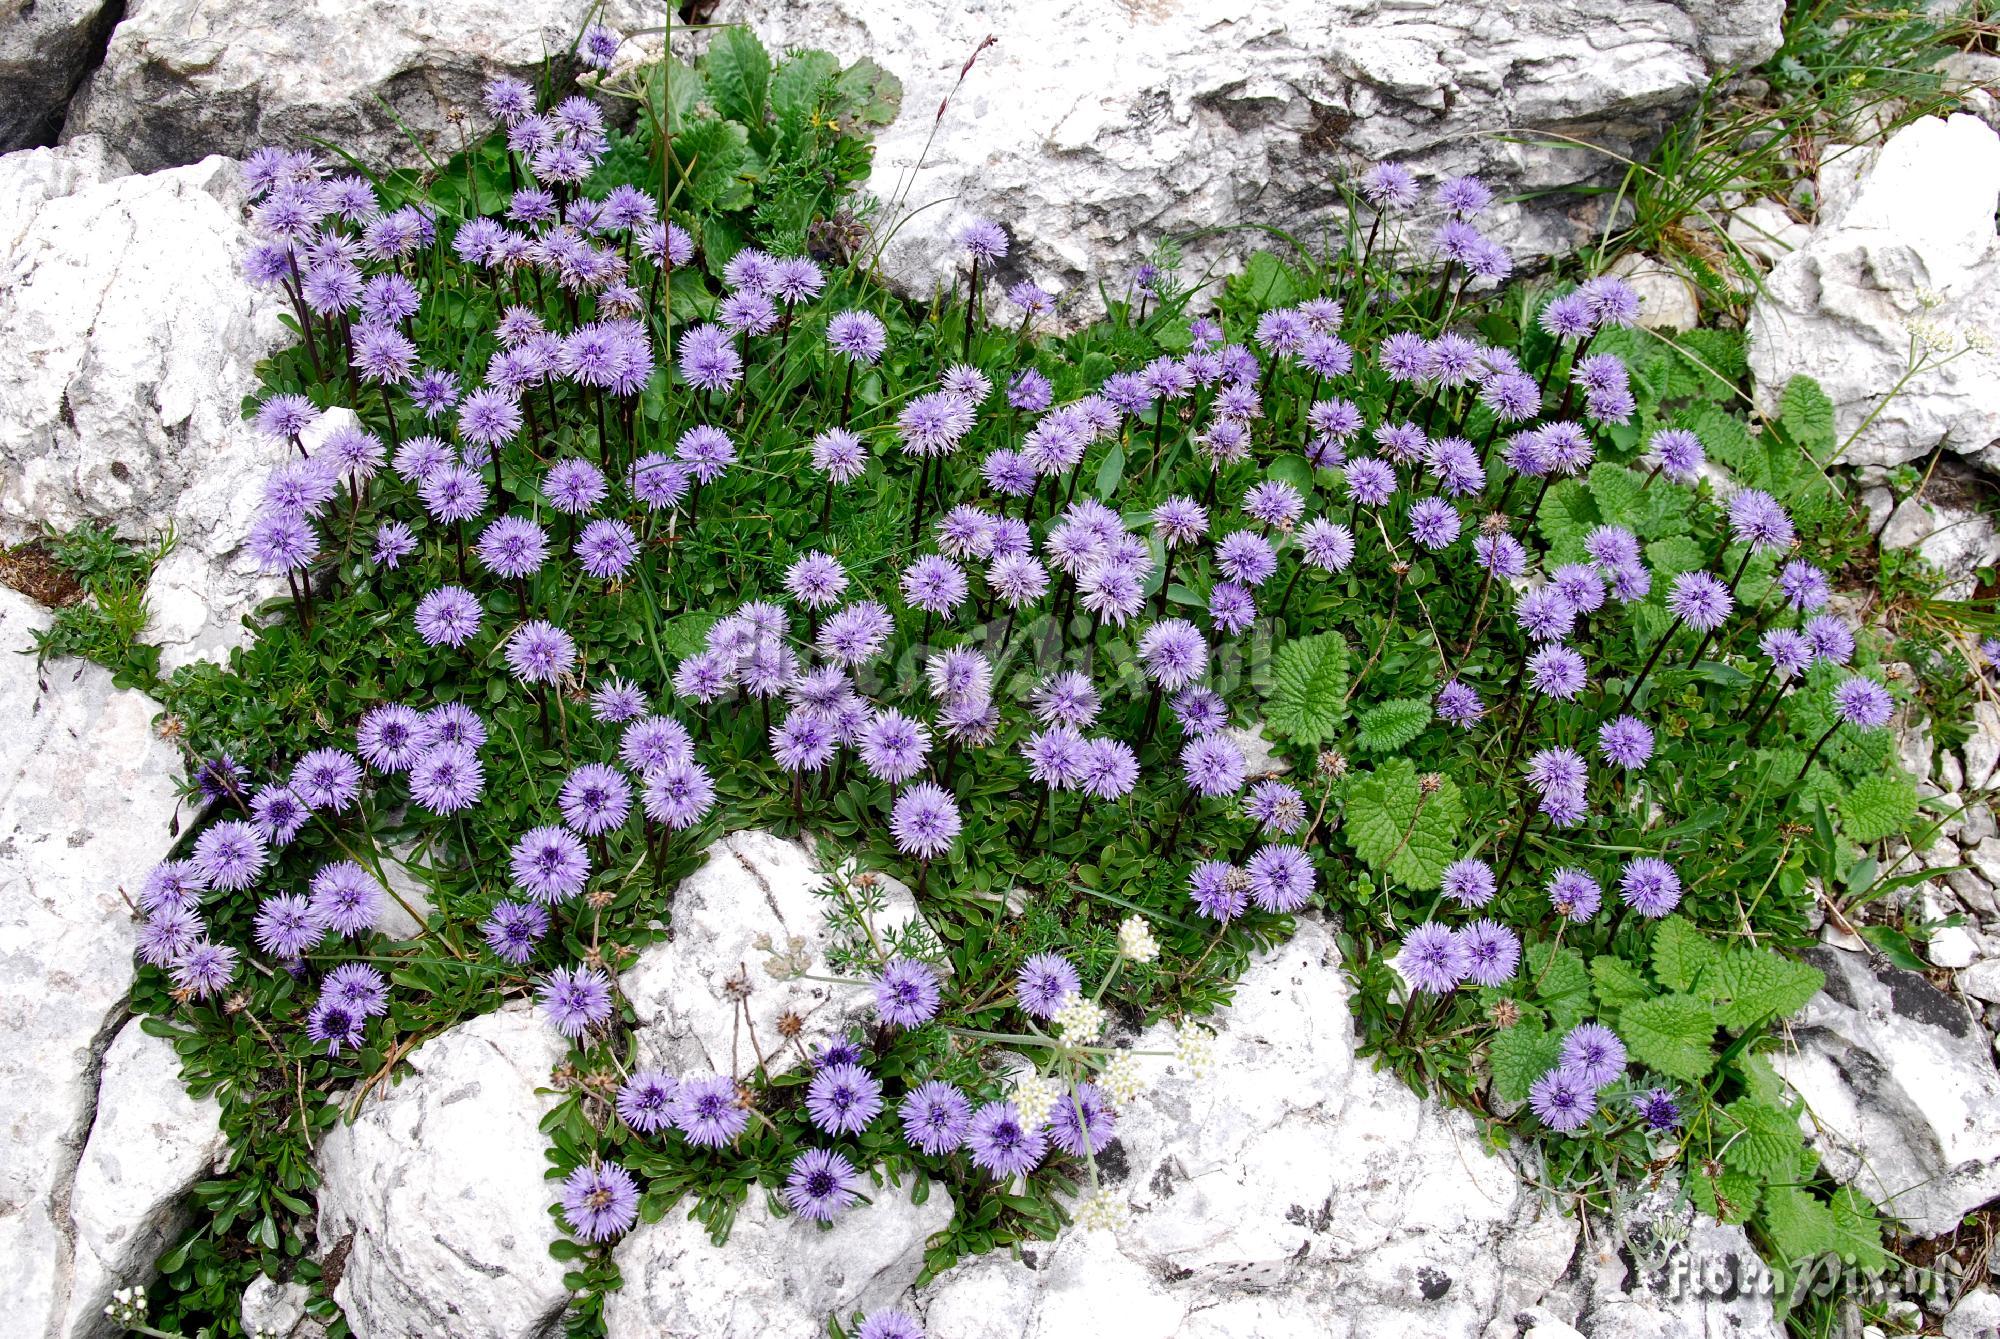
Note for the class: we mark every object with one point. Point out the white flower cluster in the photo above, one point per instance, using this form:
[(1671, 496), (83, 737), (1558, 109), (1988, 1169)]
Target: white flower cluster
[(127, 1305), (1034, 1097), (1102, 1211), (1124, 1078), (1080, 1021), (1135, 940), (1194, 1046)]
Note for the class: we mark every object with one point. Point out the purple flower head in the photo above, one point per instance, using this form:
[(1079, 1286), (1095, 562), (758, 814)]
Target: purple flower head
[(600, 1202), (1220, 890), (924, 821), (1568, 317), (708, 359), (359, 987), (204, 968), (452, 494), (1469, 882), (1065, 698), (1563, 1100), (1831, 639), (1612, 301), (550, 864), (1174, 653), (286, 926), (1502, 555), (1580, 586), (169, 932), (514, 928), (1370, 482), (1611, 546), (1678, 454), (230, 854), (1594, 1053), (843, 1099), (821, 1186), (999, 1142), (575, 999), (1326, 545), (710, 1112), (1458, 704), (1803, 585), (1756, 519), (394, 541), (1275, 807), (1625, 742), (1274, 503), (1658, 1109), (892, 748), (447, 778), (1212, 765), (934, 584), (1574, 895), (347, 898), (983, 239), (1464, 196), (932, 424), (1787, 650), (540, 652), (1492, 952), (595, 798), (1389, 186), (1231, 607), (1649, 886), (326, 779), (336, 1026), (1557, 672), (935, 1117), (1200, 711), (646, 1100), (1432, 959), (1083, 1121), (1281, 878), (512, 547), (1434, 523), (1555, 769), (906, 993), (1545, 615), (1700, 600), (1045, 983), (1858, 701)]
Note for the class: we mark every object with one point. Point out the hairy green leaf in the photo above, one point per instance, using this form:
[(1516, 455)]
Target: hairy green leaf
[(1800, 1225), (1561, 983), (1308, 684), (1681, 953), (1879, 804), (1749, 984), (1388, 726), (1520, 1055), (1672, 1034), (739, 75), (1759, 1138), (1618, 983)]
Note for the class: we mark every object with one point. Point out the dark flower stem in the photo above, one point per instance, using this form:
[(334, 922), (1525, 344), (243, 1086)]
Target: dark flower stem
[(1807, 765), (1757, 730), (1513, 853), (1651, 661), (971, 306), (1382, 642)]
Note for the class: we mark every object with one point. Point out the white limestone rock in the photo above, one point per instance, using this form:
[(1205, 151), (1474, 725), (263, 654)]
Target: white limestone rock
[(46, 49), (149, 1144), (438, 1190), (1901, 1091), (1092, 132), (86, 794), (185, 78), (128, 340), (271, 1308), (754, 885), (1913, 225), (1667, 301), (777, 1277)]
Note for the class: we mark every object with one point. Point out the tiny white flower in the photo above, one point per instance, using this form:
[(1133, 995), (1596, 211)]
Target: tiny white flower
[(1135, 940), (1194, 1046), (1034, 1097), (1124, 1078), (1080, 1020), (1102, 1211)]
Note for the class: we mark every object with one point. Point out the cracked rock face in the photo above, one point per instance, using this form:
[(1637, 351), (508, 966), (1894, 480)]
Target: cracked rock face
[(86, 794), (1913, 224), (1901, 1093), (185, 78), (776, 1276), (128, 340), (1093, 131), (754, 884), (437, 1190), (148, 1146), (46, 49)]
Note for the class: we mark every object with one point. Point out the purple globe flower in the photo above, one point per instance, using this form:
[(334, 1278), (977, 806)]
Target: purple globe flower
[(1863, 703), (1593, 1053), (230, 854), (1563, 1100), (1281, 878), (821, 1185), (906, 993), (1658, 1109), (1557, 672), (550, 864), (575, 999), (327, 779), (1083, 1121), (1700, 600), (1370, 482), (1458, 704), (892, 748), (679, 795), (1491, 951), (1625, 742), (925, 821), (390, 737), (1649, 886), (983, 239), (1787, 650), (287, 926), (1803, 585), (595, 798), (446, 778), (278, 813), (1220, 890), (999, 1143), (1831, 640), (1756, 519), (1432, 959), (935, 1117), (843, 1099), (646, 1100), (710, 1111), (1469, 882), (1434, 523), (359, 987), (1678, 454), (540, 652), (1212, 765), (1174, 653), (600, 1202), (512, 547), (448, 616), (1275, 807), (1045, 983), (1574, 895), (513, 929), (346, 898)]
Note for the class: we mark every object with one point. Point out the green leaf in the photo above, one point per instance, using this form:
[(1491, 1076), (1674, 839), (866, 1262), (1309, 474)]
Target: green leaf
[(795, 88), (869, 94), (1617, 492), (1520, 1055), (1562, 986), (1715, 361), (1759, 1138), (1880, 803), (1393, 825), (1731, 1197), (1672, 1034), (1568, 514), (1111, 472), (1806, 413), (1681, 953), (1895, 946), (739, 75), (1309, 688), (1266, 282), (1672, 556), (1618, 982), (711, 152), (1750, 984), (1857, 1231), (1800, 1225), (1388, 726)]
